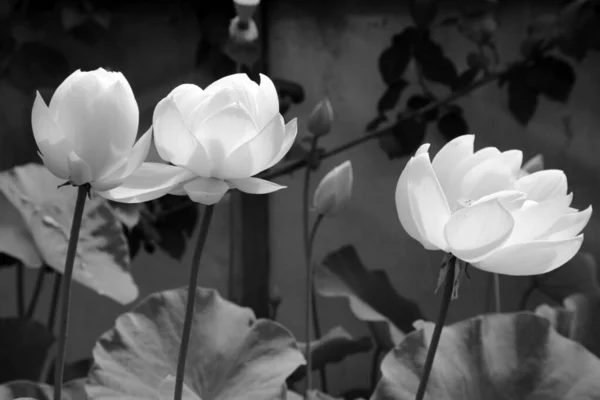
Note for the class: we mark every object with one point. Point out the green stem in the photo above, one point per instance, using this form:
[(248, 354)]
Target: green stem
[(439, 325), (37, 290), (191, 300), (82, 192), (20, 283)]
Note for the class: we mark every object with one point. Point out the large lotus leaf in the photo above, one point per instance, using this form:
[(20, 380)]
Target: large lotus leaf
[(579, 319), (40, 391), (232, 355), (492, 357), (332, 347), (24, 347), (102, 261), (370, 294)]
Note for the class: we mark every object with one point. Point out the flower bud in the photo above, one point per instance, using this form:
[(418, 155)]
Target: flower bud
[(321, 118), (87, 134), (334, 190)]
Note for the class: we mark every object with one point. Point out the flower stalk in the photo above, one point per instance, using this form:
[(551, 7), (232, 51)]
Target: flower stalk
[(191, 301), (311, 310), (82, 192), (439, 325)]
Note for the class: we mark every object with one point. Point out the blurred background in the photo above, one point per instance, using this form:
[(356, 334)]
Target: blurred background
[(314, 49)]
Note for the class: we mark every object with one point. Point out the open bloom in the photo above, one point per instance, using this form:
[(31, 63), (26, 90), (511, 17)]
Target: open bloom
[(217, 139), (334, 190), (475, 206), (87, 133)]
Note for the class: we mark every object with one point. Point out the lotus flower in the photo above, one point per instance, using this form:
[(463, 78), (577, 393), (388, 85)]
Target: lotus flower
[(475, 206), (217, 139), (87, 133)]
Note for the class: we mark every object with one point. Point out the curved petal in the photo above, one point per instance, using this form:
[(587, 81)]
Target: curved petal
[(174, 141), (255, 155), (424, 148), (61, 90), (568, 226), (534, 219), (79, 171), (291, 130), (459, 172), (132, 162), (475, 231), (148, 182), (543, 185), (207, 191), (511, 200), (245, 90), (407, 220), (427, 201), (255, 185), (100, 126), (532, 258), (450, 156), (267, 101), (187, 97), (209, 106), (231, 127), (495, 174), (50, 140)]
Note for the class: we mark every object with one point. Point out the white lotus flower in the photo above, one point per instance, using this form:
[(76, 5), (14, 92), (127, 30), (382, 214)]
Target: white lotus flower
[(217, 139), (334, 190), (87, 133), (475, 206)]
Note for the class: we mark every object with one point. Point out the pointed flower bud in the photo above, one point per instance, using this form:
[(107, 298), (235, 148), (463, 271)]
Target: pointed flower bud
[(334, 190), (321, 118)]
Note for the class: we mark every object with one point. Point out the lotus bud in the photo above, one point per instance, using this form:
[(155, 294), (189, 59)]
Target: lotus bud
[(334, 190), (321, 118)]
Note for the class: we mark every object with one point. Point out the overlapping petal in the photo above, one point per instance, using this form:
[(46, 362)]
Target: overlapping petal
[(543, 185), (174, 141), (427, 201), (534, 219), (448, 158), (289, 137), (50, 139), (568, 225), (531, 258), (474, 232), (129, 164), (256, 154), (148, 182), (255, 185), (187, 97), (207, 191)]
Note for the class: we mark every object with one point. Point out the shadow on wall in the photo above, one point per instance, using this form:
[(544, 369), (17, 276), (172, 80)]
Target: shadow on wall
[(341, 41)]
